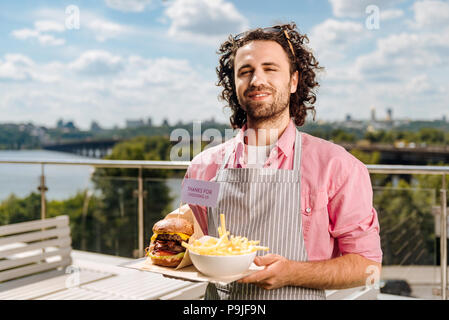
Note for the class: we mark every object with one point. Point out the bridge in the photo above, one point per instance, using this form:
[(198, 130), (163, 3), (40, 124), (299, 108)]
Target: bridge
[(87, 148), (389, 154)]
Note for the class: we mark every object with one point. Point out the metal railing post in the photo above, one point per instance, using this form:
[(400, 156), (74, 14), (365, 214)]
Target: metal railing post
[(443, 239), (43, 188), (140, 213)]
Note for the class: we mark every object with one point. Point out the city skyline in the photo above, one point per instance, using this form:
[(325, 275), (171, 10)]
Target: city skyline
[(135, 59), (386, 119)]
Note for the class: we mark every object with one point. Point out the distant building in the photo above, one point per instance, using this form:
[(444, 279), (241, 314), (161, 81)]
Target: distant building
[(389, 114), (134, 123), (212, 120), (444, 118), (348, 117), (41, 134), (95, 127), (70, 125), (373, 114), (66, 126), (165, 123), (60, 124), (150, 122)]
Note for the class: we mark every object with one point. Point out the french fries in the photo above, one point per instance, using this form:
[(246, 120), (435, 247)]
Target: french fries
[(224, 246)]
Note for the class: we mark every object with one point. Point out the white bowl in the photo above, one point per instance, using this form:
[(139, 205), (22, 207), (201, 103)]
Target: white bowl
[(222, 266)]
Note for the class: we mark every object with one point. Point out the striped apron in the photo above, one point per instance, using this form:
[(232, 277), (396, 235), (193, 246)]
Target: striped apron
[(262, 204)]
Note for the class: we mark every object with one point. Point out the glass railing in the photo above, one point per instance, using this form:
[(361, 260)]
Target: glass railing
[(113, 205), (409, 242)]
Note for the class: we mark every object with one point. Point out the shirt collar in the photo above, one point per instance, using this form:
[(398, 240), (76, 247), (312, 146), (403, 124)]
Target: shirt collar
[(284, 144)]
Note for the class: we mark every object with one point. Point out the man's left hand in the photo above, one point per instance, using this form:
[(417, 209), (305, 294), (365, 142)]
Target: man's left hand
[(277, 272)]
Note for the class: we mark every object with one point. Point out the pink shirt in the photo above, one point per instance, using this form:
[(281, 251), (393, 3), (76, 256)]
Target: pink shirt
[(336, 194)]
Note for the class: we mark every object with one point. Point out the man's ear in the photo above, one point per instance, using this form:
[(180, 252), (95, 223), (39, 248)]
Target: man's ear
[(294, 81)]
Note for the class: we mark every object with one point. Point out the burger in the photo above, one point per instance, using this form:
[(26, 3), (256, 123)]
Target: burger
[(165, 246)]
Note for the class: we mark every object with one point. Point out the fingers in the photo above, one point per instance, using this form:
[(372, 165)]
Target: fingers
[(256, 277), (266, 259)]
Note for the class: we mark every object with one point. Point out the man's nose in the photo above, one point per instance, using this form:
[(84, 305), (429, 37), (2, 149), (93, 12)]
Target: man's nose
[(258, 78)]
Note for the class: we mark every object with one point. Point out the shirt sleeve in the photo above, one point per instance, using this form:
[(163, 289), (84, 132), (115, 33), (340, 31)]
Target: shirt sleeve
[(353, 221), (200, 212)]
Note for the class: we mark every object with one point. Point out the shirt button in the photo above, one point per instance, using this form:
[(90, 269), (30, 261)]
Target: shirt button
[(308, 210)]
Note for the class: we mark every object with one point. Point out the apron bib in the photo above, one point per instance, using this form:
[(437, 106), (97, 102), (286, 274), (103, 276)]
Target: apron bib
[(262, 204)]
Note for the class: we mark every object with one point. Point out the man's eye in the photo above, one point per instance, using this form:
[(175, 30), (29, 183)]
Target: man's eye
[(244, 72)]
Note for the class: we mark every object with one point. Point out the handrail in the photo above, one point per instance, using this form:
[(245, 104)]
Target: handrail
[(146, 164), (138, 164)]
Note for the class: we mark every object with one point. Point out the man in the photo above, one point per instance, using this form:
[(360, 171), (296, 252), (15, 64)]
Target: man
[(307, 199)]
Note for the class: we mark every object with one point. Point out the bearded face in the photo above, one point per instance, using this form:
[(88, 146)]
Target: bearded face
[(265, 102), (263, 79)]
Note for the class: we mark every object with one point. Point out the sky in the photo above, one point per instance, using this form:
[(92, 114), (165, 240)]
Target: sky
[(115, 60)]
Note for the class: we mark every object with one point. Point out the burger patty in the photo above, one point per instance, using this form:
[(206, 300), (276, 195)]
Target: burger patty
[(172, 246), (169, 237)]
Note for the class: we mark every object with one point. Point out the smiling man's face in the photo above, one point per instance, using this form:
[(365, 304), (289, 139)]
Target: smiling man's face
[(262, 79)]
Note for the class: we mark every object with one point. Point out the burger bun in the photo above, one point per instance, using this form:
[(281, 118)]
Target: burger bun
[(167, 262), (173, 225)]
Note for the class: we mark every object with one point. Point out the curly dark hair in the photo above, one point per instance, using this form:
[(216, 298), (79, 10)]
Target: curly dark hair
[(303, 61)]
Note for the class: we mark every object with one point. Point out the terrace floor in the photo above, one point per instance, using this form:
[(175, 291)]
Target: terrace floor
[(94, 276)]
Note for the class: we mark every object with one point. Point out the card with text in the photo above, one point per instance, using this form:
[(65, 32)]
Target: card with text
[(203, 193)]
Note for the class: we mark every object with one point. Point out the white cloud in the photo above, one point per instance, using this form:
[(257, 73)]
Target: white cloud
[(431, 14), (99, 27), (49, 25), (332, 38), (402, 53), (106, 87), (391, 14), (421, 84), (48, 39), (356, 8), (97, 62), (104, 29), (406, 71), (128, 5), (204, 20), (41, 33), (24, 34), (16, 67)]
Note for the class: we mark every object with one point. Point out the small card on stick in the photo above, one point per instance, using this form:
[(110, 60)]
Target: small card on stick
[(204, 193)]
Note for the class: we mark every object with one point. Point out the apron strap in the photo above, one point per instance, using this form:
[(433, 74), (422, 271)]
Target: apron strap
[(297, 156), (298, 151), (226, 158)]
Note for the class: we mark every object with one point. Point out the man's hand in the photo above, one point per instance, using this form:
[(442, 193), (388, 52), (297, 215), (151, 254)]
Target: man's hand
[(277, 272), (348, 271)]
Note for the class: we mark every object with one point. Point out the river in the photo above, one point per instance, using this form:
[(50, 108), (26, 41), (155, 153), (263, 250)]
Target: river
[(62, 181)]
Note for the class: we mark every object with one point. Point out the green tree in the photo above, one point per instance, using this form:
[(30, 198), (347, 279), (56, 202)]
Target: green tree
[(431, 136), (366, 157), (14, 210), (406, 224), (118, 230), (105, 219), (340, 135)]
